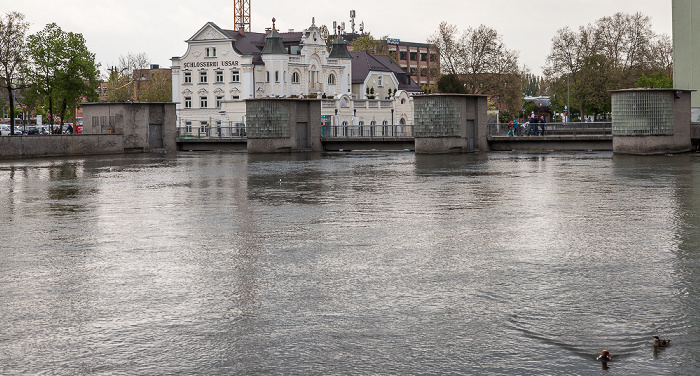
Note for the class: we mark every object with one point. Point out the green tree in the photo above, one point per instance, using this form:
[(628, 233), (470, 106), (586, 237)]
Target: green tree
[(610, 54), (159, 88), (13, 58), (655, 80), (451, 83), (366, 43), (63, 69)]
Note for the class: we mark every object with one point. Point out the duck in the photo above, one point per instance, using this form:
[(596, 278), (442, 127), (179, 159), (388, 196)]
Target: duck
[(661, 342), (604, 356)]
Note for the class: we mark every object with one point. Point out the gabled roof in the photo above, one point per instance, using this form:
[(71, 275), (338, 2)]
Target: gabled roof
[(363, 63)]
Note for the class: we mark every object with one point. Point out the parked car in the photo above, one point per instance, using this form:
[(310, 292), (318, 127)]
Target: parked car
[(5, 130), (29, 129)]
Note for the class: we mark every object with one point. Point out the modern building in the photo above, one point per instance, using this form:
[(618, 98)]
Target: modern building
[(686, 51), (420, 60)]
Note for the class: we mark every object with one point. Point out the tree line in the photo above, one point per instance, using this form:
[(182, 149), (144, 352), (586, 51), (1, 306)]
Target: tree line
[(52, 72), (615, 52)]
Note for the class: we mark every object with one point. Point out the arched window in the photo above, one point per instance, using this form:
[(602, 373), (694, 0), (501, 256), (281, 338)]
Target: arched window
[(295, 77), (402, 121), (267, 76), (277, 76), (331, 79)]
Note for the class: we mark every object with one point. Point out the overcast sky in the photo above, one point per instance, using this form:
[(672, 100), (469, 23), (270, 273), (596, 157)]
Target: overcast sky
[(160, 27)]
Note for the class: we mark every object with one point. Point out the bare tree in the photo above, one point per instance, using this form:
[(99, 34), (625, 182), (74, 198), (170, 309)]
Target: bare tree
[(120, 82), (13, 59), (610, 54), (481, 61)]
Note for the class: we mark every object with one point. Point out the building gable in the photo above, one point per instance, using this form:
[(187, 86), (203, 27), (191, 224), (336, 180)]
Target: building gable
[(210, 32)]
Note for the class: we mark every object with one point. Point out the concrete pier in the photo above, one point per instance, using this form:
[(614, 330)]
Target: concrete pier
[(450, 123)]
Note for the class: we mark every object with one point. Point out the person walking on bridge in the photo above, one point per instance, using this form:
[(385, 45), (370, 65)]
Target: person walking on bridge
[(543, 123)]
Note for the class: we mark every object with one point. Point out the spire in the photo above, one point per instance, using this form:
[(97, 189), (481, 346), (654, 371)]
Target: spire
[(273, 42), (339, 49)]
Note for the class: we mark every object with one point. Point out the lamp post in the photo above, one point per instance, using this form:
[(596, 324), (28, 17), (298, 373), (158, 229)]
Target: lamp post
[(568, 96)]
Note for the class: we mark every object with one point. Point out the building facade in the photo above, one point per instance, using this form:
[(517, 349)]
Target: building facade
[(223, 68), (420, 60), (686, 51)]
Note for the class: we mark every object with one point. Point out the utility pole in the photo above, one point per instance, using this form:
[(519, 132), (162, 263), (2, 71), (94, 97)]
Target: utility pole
[(241, 14)]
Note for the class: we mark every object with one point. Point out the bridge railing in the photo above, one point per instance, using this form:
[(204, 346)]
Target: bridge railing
[(598, 128), (233, 130), (367, 131)]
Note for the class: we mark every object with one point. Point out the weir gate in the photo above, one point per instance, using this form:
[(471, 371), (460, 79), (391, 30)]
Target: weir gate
[(400, 137)]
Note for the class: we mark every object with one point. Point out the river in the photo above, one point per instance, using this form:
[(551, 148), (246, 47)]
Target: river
[(350, 263)]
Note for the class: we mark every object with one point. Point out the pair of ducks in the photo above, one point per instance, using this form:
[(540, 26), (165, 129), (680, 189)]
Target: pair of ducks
[(657, 342)]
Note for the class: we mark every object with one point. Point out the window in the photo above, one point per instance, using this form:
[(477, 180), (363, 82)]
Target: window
[(236, 76), (188, 102), (202, 127), (277, 76), (219, 76), (331, 79), (402, 55), (203, 102), (414, 55), (203, 77), (235, 97), (188, 77), (295, 77), (210, 51), (380, 81), (188, 126), (267, 76), (218, 101), (423, 56)]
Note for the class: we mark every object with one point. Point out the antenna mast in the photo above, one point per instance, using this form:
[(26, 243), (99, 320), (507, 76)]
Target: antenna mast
[(241, 14)]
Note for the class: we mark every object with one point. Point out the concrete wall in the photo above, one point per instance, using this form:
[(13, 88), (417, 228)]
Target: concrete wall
[(678, 142), (686, 50), (60, 145), (295, 111), (136, 121), (448, 123)]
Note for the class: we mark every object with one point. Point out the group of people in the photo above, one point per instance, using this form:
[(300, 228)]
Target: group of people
[(57, 130), (533, 127)]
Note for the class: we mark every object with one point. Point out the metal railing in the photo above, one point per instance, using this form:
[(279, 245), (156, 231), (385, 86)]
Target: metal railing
[(235, 130), (554, 129), (367, 131)]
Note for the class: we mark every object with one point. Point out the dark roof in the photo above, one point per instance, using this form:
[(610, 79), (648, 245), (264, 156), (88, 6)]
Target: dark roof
[(339, 49), (363, 63), (250, 43), (274, 44)]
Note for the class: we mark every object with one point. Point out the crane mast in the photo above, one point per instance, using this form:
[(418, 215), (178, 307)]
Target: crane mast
[(241, 14)]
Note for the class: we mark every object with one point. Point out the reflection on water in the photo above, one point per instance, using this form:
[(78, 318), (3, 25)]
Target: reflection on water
[(349, 263)]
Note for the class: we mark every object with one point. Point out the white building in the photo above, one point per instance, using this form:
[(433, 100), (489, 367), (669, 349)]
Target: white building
[(222, 68)]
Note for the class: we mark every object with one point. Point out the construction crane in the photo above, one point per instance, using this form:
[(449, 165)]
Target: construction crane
[(241, 14)]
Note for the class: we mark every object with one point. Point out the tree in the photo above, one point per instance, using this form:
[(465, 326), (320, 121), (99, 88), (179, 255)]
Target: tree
[(120, 84), (451, 83), (158, 88), (63, 69), (610, 54), (656, 80), (13, 58), (79, 76), (366, 43), (481, 60)]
